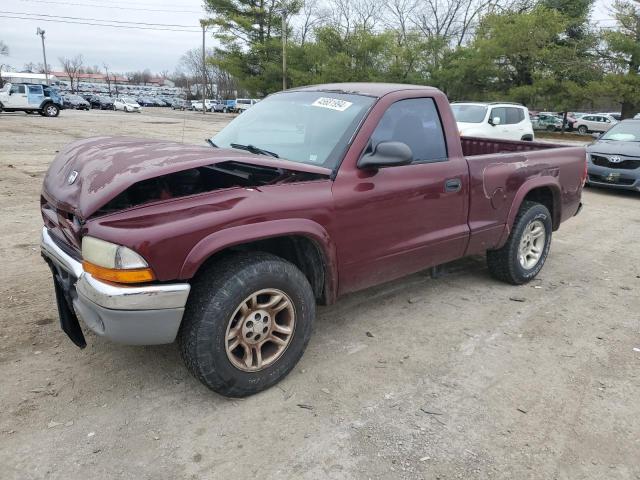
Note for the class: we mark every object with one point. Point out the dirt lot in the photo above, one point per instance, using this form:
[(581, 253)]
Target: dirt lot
[(460, 377)]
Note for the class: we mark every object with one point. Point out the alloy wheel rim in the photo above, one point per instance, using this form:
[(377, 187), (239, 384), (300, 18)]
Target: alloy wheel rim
[(532, 244), (51, 110), (260, 330)]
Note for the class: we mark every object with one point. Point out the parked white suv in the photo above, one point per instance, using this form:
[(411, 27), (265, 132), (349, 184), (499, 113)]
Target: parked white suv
[(505, 121), (127, 104), (243, 104)]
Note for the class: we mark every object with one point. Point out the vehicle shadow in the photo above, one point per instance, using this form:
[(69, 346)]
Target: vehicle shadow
[(157, 368)]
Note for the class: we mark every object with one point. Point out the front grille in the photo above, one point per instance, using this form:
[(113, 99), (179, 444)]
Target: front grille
[(612, 181), (66, 248), (61, 224), (626, 164)]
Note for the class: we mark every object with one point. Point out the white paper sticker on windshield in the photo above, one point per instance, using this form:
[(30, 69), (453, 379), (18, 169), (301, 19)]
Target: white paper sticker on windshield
[(332, 103)]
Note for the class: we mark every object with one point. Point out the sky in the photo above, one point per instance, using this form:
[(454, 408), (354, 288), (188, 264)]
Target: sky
[(122, 49)]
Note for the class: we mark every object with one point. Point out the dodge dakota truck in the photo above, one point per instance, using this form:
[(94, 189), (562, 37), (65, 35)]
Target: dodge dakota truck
[(312, 193)]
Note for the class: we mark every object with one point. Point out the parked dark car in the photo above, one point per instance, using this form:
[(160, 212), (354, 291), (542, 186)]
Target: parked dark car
[(179, 104), (146, 102), (101, 102), (614, 158), (75, 102)]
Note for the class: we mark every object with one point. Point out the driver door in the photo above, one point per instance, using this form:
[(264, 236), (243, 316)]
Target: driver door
[(394, 221)]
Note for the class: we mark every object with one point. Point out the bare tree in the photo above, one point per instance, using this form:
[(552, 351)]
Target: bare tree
[(107, 77), (217, 81), (72, 67), (398, 14), (311, 16)]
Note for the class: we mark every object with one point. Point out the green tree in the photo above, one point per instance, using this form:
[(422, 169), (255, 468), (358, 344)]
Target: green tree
[(251, 34), (621, 53)]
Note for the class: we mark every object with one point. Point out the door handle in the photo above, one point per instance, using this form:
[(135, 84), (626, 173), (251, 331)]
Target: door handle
[(452, 185)]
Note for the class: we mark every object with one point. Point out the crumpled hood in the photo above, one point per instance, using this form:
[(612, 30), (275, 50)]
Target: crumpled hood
[(107, 166)]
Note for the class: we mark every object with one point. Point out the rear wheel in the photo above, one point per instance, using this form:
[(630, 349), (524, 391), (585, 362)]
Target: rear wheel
[(247, 323), (51, 110), (526, 250)]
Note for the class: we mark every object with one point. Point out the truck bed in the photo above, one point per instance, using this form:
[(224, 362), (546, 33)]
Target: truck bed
[(501, 170), (472, 146)]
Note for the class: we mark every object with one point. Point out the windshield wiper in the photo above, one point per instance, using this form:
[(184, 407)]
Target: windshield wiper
[(254, 149), (210, 142)]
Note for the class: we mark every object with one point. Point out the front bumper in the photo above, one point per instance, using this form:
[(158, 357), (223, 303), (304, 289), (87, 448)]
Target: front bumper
[(133, 315), (613, 178)]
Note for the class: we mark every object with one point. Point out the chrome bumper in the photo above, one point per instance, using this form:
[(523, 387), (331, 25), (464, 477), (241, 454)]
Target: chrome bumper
[(139, 315)]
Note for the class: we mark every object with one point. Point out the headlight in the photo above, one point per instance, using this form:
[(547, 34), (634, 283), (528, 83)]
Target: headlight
[(114, 263)]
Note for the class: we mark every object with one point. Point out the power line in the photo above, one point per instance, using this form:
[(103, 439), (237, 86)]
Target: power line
[(97, 24), (56, 17), (128, 7)]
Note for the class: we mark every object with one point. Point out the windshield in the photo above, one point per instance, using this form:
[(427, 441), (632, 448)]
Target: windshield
[(623, 132), (305, 127), (128, 100), (469, 113)]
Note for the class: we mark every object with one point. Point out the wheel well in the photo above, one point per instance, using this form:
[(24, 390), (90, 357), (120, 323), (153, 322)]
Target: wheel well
[(527, 138), (546, 197), (303, 252)]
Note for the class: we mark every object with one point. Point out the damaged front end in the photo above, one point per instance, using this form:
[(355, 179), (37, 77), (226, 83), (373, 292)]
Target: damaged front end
[(207, 178)]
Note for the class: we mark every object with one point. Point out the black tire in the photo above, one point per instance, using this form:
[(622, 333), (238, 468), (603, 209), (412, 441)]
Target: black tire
[(527, 138), (504, 263), (583, 130), (551, 128), (215, 295), (50, 110)]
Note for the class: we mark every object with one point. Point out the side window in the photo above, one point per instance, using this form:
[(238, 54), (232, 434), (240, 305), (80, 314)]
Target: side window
[(18, 89), (514, 115), (501, 113), (415, 122), (35, 89), (587, 118)]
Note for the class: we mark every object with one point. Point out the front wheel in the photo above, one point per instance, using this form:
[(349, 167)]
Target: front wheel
[(582, 129), (247, 323), (527, 247)]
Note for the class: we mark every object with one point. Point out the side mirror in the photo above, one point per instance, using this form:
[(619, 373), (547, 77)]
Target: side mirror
[(495, 121), (10, 92), (386, 154)]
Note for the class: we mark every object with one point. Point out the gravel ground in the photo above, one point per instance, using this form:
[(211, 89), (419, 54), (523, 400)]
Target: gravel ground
[(459, 377)]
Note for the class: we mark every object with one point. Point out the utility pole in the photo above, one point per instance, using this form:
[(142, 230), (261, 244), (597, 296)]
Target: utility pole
[(44, 54), (284, 49), (203, 23)]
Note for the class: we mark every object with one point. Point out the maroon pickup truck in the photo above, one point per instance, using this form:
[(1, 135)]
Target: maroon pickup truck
[(312, 193)]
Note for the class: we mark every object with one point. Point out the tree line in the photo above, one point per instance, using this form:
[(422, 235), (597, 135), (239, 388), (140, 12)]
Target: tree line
[(547, 54)]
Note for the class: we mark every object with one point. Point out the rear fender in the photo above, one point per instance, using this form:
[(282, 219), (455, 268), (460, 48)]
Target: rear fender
[(229, 237), (550, 182)]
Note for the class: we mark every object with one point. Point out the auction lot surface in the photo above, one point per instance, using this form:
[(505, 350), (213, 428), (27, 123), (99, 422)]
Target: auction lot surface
[(459, 377)]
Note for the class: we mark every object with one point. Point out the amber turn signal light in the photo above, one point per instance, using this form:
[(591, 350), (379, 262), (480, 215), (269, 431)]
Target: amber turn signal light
[(136, 275)]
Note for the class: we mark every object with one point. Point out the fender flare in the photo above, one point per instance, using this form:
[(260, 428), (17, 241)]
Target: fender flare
[(529, 185), (238, 235)]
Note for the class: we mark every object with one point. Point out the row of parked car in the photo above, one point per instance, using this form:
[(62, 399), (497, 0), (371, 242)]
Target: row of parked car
[(583, 123), (237, 105)]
